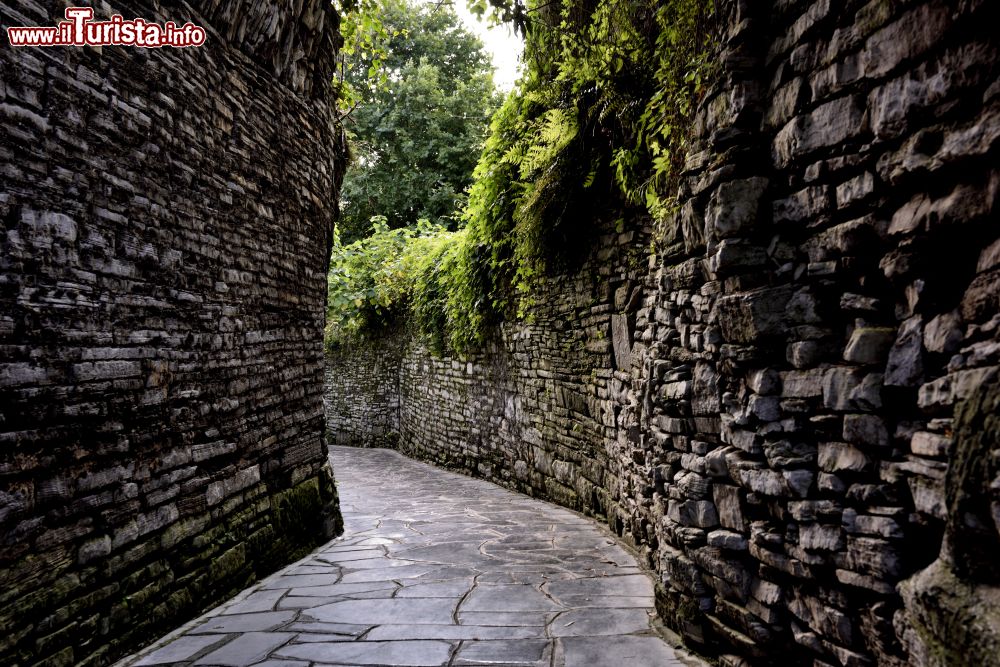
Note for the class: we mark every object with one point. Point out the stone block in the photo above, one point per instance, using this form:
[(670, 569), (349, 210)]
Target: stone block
[(837, 457), (729, 506), (910, 35), (832, 123), (802, 384), (867, 430), (869, 345), (923, 443), (733, 208), (905, 367), (745, 318), (943, 334)]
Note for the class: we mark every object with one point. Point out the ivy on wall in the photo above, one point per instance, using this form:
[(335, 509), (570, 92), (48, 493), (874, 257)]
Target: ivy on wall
[(597, 127)]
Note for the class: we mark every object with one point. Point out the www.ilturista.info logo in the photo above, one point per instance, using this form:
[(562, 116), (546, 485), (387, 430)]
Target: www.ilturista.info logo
[(79, 30)]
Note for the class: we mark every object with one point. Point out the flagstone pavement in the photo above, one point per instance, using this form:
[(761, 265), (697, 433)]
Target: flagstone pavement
[(435, 568)]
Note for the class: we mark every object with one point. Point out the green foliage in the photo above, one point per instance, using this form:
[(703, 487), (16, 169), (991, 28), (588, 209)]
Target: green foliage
[(597, 129), (418, 127), (599, 124), (426, 271), (361, 71)]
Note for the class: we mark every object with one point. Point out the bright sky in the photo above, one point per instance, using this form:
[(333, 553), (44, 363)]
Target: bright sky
[(501, 43)]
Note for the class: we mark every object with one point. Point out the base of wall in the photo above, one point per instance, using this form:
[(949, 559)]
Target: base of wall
[(252, 535)]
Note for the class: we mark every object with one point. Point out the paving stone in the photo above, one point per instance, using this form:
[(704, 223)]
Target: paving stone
[(631, 651), (607, 601), (246, 649), (386, 573), (600, 622), (344, 589), (614, 586), (293, 602), (179, 650), (257, 602), (396, 632), (375, 612), (438, 567), (507, 618), (507, 598), (390, 654), (513, 652), (244, 622), (438, 589), (313, 638), (350, 629), (335, 556), (300, 580)]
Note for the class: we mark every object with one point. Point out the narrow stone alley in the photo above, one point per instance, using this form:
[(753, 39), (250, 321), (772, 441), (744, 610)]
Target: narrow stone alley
[(435, 568)]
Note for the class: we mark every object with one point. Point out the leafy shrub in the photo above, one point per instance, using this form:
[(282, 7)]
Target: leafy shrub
[(598, 126)]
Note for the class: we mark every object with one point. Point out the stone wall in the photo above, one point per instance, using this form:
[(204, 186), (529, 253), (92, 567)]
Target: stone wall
[(362, 392), (166, 218), (766, 410)]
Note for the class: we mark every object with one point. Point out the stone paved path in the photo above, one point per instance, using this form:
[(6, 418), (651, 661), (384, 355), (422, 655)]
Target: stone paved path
[(436, 568)]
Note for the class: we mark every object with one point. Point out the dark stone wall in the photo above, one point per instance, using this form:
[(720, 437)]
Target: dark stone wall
[(766, 410), (165, 220), (362, 392)]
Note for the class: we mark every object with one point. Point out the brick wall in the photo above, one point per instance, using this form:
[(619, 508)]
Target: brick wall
[(166, 218)]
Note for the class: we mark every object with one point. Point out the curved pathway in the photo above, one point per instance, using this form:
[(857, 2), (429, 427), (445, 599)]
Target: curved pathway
[(435, 568)]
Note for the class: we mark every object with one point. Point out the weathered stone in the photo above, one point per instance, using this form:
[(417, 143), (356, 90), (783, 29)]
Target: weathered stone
[(621, 335), (840, 457), (802, 206), (700, 513), (826, 620), (831, 123), (787, 102), (838, 386), (765, 382), (821, 537), (943, 334), (734, 208), (908, 36), (855, 190), (957, 592), (744, 318), (982, 299), (929, 444), (869, 345), (869, 430), (906, 365), (911, 216), (783, 454), (802, 384), (163, 250), (735, 256), (728, 503), (725, 539), (765, 408), (94, 549)]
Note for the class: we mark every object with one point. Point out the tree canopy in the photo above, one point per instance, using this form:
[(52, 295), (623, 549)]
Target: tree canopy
[(595, 130), (418, 129)]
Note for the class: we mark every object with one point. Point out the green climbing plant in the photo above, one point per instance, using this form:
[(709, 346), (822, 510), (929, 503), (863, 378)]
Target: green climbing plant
[(597, 129)]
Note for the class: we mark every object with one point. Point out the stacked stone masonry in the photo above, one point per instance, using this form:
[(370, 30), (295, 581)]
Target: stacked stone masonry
[(766, 409), (165, 217)]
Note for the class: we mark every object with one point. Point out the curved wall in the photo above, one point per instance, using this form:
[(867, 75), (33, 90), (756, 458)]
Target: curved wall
[(766, 408), (165, 219)]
